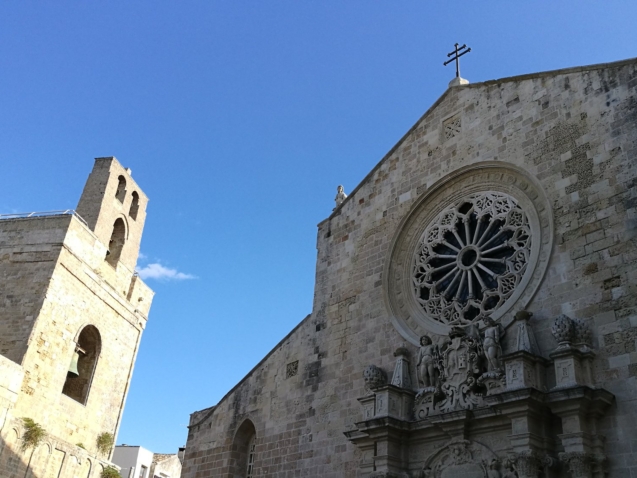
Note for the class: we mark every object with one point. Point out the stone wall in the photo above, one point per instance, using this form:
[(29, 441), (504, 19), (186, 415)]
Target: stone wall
[(29, 249), (102, 202), (62, 299), (573, 132), (11, 376), (76, 297)]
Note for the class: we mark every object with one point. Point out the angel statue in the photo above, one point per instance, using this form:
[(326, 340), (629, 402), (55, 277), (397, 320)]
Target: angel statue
[(425, 369), (491, 345)]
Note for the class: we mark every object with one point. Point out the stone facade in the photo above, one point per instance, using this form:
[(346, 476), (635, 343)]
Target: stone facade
[(166, 466), (531, 373), (69, 293)]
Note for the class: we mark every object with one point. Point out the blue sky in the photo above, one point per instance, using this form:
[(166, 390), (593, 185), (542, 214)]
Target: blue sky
[(239, 119)]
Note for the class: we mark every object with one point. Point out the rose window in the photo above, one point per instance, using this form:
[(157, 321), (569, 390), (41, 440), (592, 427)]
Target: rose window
[(470, 259)]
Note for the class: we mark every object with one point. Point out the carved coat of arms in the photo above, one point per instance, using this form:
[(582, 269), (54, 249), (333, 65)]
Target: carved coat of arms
[(460, 373), (459, 370)]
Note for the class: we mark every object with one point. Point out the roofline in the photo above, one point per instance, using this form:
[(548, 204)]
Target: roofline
[(561, 71), (337, 210), (276, 347), (526, 76)]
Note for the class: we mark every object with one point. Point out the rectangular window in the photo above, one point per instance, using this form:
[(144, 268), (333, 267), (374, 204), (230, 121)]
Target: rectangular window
[(143, 471), (251, 448)]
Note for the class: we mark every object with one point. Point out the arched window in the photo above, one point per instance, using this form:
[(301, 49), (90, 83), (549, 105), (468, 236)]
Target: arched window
[(134, 206), (82, 366), (250, 466), (121, 188), (116, 243), (244, 451)]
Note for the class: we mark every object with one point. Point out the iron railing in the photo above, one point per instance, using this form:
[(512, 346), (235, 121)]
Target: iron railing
[(23, 215)]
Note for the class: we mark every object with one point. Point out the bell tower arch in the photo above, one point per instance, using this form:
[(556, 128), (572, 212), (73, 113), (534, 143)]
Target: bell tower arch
[(114, 208)]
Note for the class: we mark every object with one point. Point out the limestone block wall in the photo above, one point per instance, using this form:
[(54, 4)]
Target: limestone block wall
[(29, 249), (62, 295), (53, 457), (77, 296), (66, 264), (575, 133), (111, 194), (11, 376)]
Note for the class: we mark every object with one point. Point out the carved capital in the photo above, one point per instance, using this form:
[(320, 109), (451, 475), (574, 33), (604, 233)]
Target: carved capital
[(527, 464), (579, 464)]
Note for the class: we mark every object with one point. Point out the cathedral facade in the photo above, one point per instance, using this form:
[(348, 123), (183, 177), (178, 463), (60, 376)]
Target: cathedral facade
[(475, 306), (72, 316)]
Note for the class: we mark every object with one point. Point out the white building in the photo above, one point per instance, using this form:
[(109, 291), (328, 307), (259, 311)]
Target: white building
[(138, 462), (134, 461)]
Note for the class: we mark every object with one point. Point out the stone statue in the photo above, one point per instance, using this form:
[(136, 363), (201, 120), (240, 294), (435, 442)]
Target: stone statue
[(493, 472), (491, 344), (426, 358), (340, 196), (509, 472)]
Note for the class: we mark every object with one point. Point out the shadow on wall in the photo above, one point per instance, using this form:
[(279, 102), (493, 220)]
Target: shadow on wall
[(12, 461), (42, 462)]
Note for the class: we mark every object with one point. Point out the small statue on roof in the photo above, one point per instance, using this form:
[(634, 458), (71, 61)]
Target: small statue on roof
[(340, 196)]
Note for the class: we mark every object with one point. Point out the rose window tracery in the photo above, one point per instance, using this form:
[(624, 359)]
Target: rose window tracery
[(471, 257)]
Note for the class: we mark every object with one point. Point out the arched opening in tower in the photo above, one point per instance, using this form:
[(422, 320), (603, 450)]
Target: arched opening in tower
[(116, 244)]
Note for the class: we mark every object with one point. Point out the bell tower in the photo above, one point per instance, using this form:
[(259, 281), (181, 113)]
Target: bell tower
[(70, 333), (114, 208)]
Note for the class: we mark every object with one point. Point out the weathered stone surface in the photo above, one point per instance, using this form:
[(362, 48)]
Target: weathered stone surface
[(563, 145), (55, 283)]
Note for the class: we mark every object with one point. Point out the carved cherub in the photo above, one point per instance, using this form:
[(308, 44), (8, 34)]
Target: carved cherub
[(491, 344), (426, 358), (493, 472), (509, 471), (340, 196)]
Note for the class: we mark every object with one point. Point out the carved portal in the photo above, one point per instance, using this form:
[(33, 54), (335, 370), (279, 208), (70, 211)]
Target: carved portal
[(464, 458)]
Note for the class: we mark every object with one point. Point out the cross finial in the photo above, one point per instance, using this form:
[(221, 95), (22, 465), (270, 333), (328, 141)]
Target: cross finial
[(458, 54)]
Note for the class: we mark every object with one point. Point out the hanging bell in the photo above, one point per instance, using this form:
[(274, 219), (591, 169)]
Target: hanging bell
[(73, 371)]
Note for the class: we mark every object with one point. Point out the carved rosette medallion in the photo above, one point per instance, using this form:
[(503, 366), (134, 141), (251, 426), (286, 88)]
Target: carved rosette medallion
[(475, 245)]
